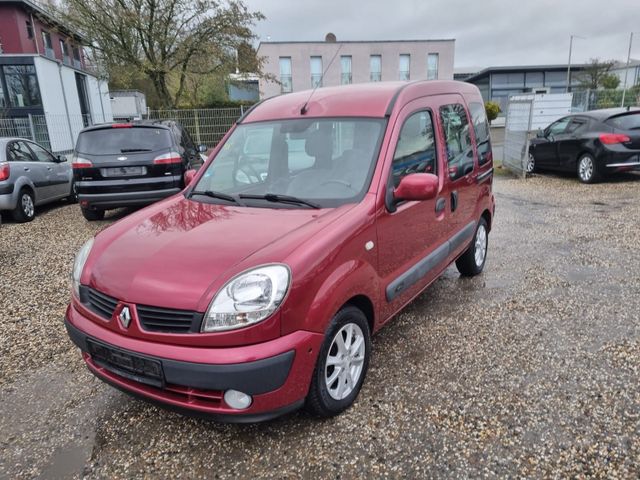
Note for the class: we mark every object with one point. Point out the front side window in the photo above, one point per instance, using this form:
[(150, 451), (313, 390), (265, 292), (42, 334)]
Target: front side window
[(345, 66), (326, 161), (432, 66), (375, 68), (316, 72), (481, 129), (22, 85), (40, 153), (286, 83), (455, 124), (557, 128), (19, 152), (416, 148)]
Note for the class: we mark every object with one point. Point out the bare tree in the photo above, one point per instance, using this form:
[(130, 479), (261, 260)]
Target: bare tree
[(596, 74), (166, 40)]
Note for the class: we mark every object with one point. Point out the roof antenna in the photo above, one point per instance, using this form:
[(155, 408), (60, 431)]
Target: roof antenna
[(304, 109)]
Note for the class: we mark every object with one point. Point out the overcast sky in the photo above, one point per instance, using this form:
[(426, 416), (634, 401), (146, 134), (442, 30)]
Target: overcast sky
[(487, 32)]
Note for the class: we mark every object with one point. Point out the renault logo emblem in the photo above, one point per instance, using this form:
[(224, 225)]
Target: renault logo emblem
[(125, 317), (122, 158)]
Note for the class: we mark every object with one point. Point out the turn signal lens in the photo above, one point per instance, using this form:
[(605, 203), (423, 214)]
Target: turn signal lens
[(613, 138)]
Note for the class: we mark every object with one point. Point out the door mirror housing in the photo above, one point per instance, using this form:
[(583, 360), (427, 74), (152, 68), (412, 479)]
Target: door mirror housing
[(61, 158), (189, 175), (202, 148), (540, 133), (416, 186)]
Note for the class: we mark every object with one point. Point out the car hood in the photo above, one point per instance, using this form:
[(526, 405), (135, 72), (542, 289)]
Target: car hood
[(169, 255)]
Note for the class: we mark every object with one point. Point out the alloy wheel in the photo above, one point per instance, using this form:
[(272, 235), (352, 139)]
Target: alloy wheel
[(585, 169), (27, 205), (480, 245), (531, 163), (345, 361)]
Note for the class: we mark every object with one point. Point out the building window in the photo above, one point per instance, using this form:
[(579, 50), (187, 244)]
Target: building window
[(22, 85), (29, 30), (432, 66), (77, 62), (404, 66), (64, 48), (286, 83), (455, 124), (416, 147), (345, 64), (48, 46), (375, 68), (316, 72)]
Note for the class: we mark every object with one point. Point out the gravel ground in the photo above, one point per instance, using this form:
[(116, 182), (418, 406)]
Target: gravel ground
[(531, 369)]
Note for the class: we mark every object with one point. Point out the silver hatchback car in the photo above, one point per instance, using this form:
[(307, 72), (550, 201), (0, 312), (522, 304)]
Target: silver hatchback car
[(30, 175)]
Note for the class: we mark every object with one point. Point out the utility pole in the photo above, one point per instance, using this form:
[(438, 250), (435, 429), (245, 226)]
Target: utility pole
[(569, 62), (626, 70)]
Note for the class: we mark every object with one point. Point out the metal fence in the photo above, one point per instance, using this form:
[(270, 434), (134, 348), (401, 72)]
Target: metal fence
[(207, 126), (584, 100), (516, 136)]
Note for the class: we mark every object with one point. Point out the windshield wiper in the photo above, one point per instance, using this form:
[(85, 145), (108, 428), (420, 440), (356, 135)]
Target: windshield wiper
[(277, 198), (131, 150), (212, 194)]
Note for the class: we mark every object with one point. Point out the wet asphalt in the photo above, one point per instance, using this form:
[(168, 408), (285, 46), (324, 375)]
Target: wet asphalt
[(531, 369)]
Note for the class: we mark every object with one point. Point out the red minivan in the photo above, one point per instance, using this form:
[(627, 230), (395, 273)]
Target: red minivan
[(316, 219)]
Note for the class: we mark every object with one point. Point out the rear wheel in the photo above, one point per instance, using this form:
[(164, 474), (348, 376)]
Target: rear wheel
[(73, 194), (587, 169), (531, 163), (25, 210), (92, 215), (342, 364), (472, 260)]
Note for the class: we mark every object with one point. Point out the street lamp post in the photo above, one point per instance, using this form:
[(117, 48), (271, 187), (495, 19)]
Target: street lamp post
[(569, 62), (626, 70)]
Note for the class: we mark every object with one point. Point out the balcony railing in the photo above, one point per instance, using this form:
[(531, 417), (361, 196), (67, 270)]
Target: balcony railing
[(375, 76), (346, 78), (403, 75), (316, 80), (286, 84)]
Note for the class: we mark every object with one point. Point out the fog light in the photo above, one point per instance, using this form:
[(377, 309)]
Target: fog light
[(237, 400)]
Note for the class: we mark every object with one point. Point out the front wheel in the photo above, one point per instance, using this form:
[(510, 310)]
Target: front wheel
[(342, 364), (473, 259), (531, 163), (587, 169)]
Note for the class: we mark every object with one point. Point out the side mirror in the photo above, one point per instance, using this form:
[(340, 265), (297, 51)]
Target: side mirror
[(540, 133), (202, 148), (189, 175), (61, 158), (416, 186)]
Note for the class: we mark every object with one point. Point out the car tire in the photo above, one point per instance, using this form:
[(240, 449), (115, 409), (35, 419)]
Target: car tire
[(92, 215), (471, 262), (73, 195), (588, 169), (25, 210), (331, 390), (530, 167)]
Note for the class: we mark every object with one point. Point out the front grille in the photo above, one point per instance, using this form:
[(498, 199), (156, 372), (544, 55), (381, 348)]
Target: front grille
[(102, 304), (166, 320)]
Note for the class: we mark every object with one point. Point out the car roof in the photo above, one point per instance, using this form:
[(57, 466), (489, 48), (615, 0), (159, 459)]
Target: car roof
[(605, 113), (5, 140), (375, 99)]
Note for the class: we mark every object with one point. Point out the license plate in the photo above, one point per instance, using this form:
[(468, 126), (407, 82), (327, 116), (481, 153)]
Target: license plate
[(123, 171), (134, 367)]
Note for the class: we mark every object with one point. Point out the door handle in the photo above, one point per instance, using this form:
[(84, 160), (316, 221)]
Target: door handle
[(26, 169), (49, 168), (440, 204), (454, 200)]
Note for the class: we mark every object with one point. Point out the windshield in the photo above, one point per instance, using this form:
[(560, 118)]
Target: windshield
[(109, 141), (326, 161)]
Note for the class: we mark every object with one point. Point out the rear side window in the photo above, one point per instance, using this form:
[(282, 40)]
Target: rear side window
[(481, 129), (19, 152), (110, 141), (625, 122), (416, 148), (455, 124)]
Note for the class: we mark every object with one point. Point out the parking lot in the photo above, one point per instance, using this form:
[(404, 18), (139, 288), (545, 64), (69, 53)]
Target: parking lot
[(530, 369)]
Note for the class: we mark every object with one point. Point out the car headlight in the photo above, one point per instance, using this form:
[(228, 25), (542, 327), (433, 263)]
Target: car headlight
[(248, 298), (78, 265)]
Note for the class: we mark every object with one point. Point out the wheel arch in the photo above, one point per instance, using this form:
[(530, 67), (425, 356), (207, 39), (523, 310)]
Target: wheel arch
[(486, 214), (365, 305)]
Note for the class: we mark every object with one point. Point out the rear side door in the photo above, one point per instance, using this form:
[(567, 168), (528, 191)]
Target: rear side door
[(461, 167), (569, 143), (58, 173), (412, 237), (23, 160)]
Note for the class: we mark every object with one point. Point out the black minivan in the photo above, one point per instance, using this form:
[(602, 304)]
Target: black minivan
[(128, 164)]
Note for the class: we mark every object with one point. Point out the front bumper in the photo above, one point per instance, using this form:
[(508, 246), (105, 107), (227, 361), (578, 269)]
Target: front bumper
[(193, 379)]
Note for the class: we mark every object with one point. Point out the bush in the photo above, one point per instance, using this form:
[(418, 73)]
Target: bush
[(492, 109)]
